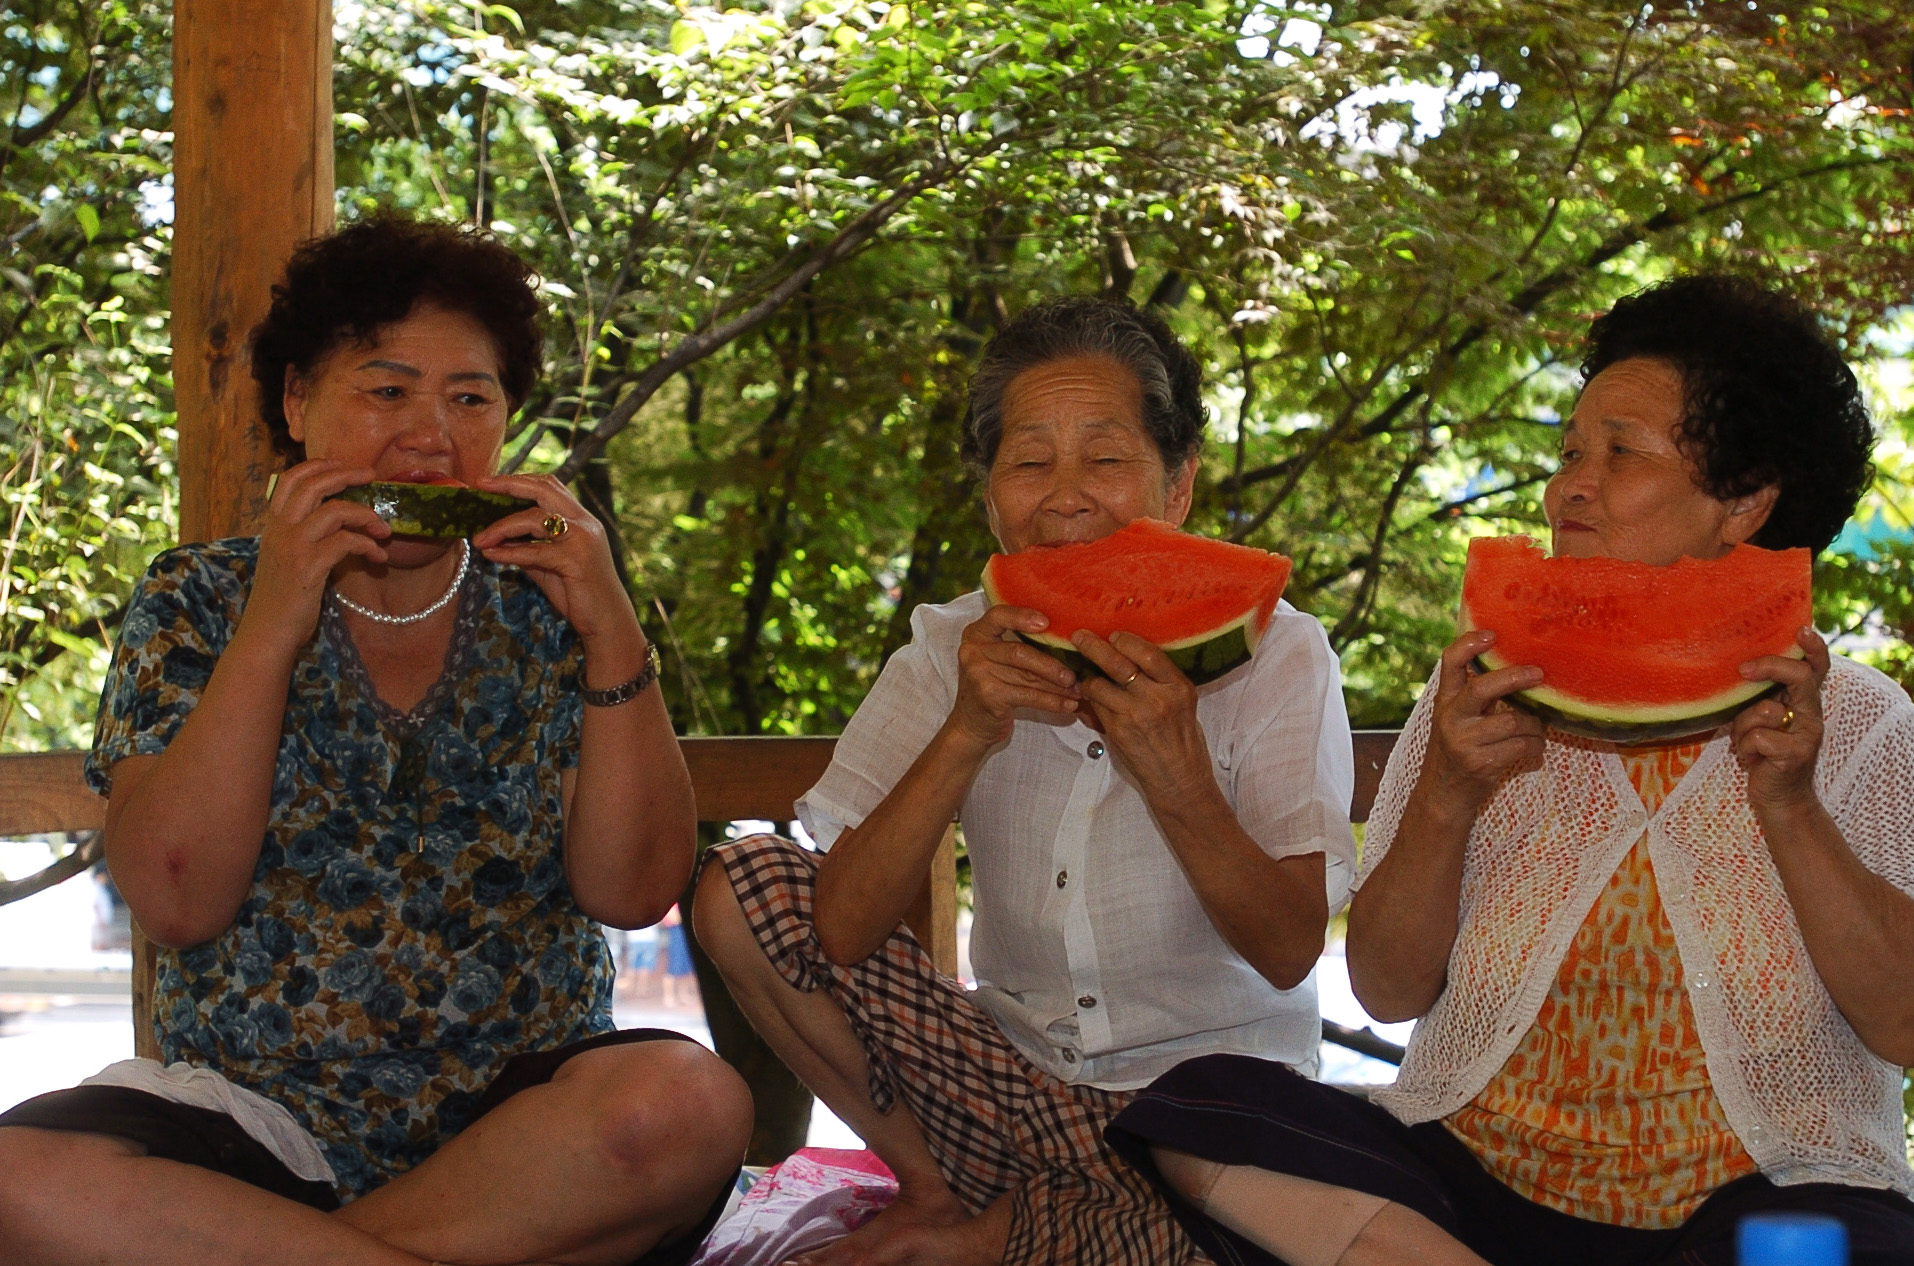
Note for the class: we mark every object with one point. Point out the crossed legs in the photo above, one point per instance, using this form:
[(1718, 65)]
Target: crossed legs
[(927, 1222), (1309, 1223), (623, 1149)]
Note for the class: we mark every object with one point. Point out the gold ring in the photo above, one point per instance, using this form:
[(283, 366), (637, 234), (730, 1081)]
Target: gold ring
[(1132, 677), (556, 525), (1787, 719)]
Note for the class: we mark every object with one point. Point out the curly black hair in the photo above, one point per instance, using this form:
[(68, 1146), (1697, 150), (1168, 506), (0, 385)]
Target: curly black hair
[(347, 286), (1055, 329), (1769, 400)]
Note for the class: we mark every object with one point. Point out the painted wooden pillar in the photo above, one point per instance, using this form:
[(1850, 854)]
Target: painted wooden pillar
[(252, 178)]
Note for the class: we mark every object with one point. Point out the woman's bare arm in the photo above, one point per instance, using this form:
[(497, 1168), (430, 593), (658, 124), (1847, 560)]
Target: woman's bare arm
[(1403, 920), (1271, 910), (184, 828), (1858, 927), (866, 883), (630, 819), (868, 880)]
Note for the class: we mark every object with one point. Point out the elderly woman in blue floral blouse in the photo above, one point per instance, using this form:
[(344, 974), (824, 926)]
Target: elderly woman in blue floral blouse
[(360, 796)]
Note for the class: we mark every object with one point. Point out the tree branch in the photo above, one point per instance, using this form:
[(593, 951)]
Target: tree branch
[(713, 337), (20, 138), (1524, 303), (1454, 509), (81, 858), (1359, 607)]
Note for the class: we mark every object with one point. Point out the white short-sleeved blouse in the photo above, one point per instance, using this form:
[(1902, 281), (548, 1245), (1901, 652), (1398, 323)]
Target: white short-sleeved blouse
[(1090, 947)]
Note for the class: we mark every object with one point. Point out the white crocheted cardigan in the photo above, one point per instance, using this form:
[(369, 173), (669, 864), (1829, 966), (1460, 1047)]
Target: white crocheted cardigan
[(1806, 1098)]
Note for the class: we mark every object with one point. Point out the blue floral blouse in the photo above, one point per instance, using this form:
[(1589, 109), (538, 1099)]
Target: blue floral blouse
[(409, 927)]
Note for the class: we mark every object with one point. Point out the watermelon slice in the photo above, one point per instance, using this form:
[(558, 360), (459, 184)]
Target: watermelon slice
[(1633, 653), (1204, 602), (442, 508)]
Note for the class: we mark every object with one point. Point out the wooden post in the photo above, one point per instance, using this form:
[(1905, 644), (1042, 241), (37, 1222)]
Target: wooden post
[(252, 178), (932, 917)]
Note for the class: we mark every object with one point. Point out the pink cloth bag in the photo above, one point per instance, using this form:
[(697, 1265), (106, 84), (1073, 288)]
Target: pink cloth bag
[(816, 1196)]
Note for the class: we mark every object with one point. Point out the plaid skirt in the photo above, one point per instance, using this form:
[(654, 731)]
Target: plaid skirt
[(994, 1122)]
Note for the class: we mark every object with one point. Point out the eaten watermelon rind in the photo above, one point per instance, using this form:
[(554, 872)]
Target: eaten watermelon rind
[(1744, 605), (1634, 725), (1202, 657), (447, 511)]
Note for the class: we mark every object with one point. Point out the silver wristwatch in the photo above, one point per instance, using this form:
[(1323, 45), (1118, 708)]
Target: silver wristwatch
[(628, 691)]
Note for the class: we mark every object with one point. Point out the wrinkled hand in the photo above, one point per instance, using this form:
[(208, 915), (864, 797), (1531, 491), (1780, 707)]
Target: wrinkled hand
[(1476, 740), (575, 571), (998, 674), (1147, 710), (304, 537), (1779, 760)]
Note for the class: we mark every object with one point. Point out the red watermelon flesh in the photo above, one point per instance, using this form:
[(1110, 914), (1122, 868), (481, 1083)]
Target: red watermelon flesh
[(1204, 602), (1630, 652)]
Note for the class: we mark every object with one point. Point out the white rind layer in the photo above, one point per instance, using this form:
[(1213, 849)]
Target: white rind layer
[(1252, 631)]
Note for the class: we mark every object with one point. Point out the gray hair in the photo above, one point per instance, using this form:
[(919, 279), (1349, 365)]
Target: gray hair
[(1058, 329)]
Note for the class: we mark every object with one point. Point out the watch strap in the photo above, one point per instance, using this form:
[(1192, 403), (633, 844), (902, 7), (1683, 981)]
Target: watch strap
[(626, 692)]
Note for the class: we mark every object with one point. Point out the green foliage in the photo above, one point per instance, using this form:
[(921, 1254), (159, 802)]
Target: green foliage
[(775, 236), (1385, 239), (86, 481)]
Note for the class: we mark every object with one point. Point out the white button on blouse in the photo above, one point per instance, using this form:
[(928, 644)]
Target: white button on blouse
[(1091, 949)]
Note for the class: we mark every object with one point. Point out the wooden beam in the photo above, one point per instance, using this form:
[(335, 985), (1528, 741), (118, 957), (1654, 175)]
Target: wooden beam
[(45, 792), (1372, 756), (252, 178), (932, 917), (737, 778), (732, 778)]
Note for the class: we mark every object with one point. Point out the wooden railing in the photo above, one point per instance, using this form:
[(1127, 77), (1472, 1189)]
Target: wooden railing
[(733, 778)]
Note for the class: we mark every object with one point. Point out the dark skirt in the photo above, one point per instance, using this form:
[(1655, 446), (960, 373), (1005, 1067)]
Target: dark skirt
[(1236, 1110), (212, 1140)]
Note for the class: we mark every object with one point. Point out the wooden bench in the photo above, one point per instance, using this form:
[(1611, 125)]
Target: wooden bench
[(734, 779)]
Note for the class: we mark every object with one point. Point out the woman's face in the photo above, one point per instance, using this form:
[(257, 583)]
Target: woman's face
[(424, 402), (1626, 489), (1075, 462)]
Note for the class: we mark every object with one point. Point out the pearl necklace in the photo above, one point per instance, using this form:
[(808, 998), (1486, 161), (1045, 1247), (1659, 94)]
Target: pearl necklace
[(381, 617)]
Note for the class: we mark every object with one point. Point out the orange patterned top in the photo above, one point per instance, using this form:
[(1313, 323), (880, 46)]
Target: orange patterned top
[(1605, 1110)]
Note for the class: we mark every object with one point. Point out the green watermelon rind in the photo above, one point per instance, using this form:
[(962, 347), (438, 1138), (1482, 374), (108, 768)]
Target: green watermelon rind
[(435, 510), (1201, 659), (1630, 725)]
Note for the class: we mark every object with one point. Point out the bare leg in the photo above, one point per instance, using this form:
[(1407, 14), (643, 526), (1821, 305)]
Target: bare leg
[(625, 1148), (1400, 1234), (1308, 1223), (70, 1198), (926, 1223)]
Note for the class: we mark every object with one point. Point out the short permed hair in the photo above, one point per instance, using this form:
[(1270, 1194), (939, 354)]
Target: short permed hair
[(1057, 329), (1769, 399), (344, 288)]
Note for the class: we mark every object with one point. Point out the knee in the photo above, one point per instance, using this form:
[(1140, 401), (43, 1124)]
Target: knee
[(717, 916), (41, 1174), (1192, 1177), (680, 1110)]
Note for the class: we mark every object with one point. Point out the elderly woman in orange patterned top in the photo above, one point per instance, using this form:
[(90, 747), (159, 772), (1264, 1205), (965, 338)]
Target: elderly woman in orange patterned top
[(1701, 1007)]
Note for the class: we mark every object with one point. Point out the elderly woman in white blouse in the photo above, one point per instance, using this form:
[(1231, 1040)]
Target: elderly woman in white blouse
[(1659, 988), (1154, 862)]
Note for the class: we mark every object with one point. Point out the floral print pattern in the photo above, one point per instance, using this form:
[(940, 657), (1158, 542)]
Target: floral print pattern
[(409, 927)]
